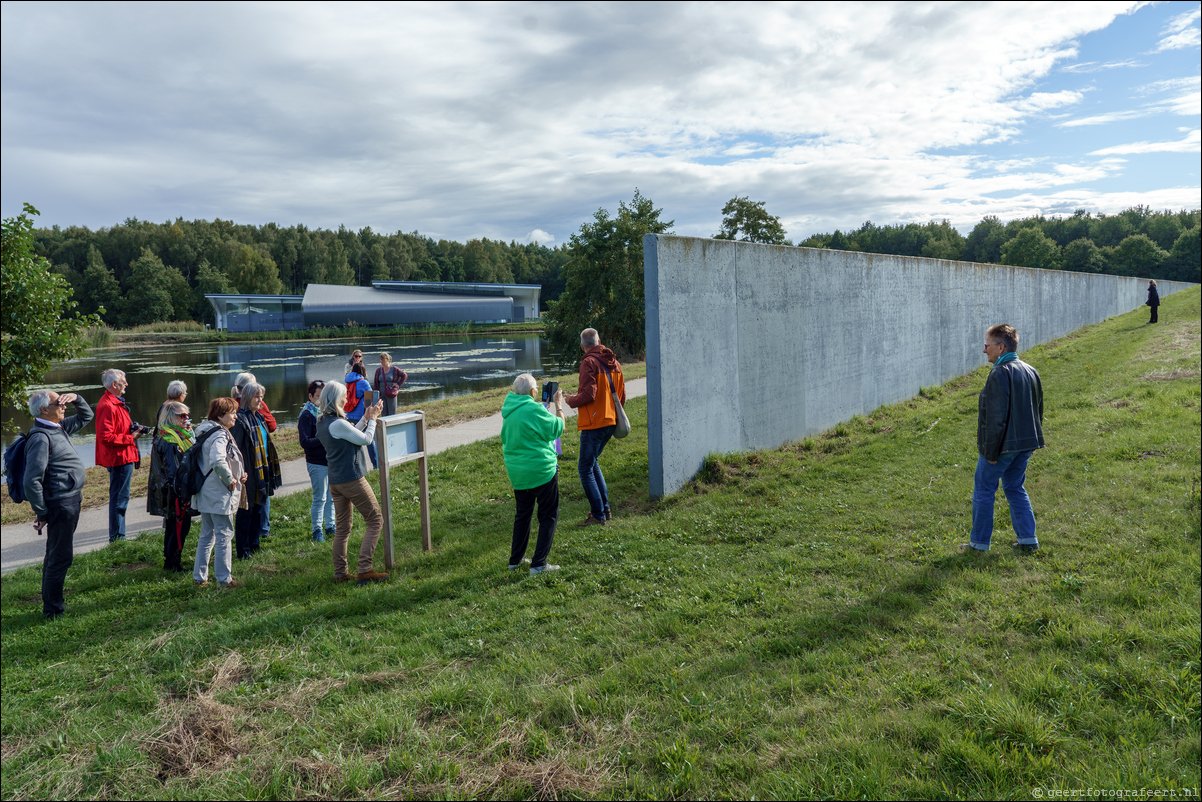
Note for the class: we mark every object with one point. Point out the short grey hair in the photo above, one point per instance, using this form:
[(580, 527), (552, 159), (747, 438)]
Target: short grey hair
[(590, 338), (249, 391), (240, 382), (333, 396), (38, 400), (170, 410), (176, 389), (111, 375), (523, 384)]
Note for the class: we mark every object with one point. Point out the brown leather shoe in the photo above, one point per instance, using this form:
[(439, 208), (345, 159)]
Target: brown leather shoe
[(592, 521), (371, 576), (233, 583), (204, 584), (343, 578)]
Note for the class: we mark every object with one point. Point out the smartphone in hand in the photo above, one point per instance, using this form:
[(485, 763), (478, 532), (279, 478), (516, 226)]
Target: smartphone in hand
[(549, 389)]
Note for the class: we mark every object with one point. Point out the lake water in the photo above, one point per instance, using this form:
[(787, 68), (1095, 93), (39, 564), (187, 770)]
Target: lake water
[(438, 367)]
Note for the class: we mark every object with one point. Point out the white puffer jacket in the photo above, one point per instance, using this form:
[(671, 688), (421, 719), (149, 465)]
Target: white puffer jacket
[(221, 457)]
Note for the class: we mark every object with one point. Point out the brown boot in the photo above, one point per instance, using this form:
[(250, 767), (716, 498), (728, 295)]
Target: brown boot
[(342, 578), (371, 576), (591, 520)]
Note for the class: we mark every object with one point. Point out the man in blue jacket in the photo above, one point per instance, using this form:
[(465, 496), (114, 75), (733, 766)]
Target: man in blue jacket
[(1009, 428), (53, 484)]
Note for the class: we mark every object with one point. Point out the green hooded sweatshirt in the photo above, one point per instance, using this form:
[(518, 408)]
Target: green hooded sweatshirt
[(527, 431)]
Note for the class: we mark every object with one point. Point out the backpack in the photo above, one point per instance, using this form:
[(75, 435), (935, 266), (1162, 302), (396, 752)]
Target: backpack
[(14, 468), (352, 396), (189, 478)]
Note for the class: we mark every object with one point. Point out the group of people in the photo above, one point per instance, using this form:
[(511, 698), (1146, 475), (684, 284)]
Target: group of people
[(236, 457), (241, 468)]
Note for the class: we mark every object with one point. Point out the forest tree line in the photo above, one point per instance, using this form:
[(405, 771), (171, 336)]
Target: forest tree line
[(1135, 242), (141, 272)]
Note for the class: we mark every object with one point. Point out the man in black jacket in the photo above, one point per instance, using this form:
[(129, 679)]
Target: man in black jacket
[(53, 482), (1009, 428)]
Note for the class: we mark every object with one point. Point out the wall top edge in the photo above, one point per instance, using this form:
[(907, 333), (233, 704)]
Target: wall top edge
[(828, 251)]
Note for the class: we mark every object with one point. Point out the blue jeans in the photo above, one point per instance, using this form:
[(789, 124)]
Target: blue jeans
[(592, 443), (371, 452), (1011, 470), (322, 510), (265, 519), (118, 499)]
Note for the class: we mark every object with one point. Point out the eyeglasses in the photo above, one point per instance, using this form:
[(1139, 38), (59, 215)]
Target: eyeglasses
[(184, 416), (59, 404)]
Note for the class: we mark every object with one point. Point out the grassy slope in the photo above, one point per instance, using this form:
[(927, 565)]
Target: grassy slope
[(796, 624)]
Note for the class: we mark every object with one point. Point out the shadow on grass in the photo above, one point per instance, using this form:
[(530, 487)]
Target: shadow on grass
[(883, 613)]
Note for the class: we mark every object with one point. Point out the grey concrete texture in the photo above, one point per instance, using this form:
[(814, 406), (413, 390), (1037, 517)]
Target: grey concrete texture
[(21, 545), (751, 346)]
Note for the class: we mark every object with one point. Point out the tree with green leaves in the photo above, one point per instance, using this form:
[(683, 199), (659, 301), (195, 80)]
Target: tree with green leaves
[(253, 271), (748, 221), (37, 325), (147, 296), (604, 288), (1030, 247), (99, 290), (338, 267), (1185, 260), (1082, 256), (984, 243), (1136, 255)]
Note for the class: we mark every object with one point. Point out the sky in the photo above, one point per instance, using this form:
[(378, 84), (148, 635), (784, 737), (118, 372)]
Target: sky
[(517, 121)]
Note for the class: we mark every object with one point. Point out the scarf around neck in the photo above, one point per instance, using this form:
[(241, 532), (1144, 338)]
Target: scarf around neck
[(181, 437), (1009, 356)]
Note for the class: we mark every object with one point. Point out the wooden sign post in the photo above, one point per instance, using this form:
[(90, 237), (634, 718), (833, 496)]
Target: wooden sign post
[(400, 439)]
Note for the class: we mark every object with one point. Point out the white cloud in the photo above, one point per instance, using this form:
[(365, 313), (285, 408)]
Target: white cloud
[(1093, 66), (1192, 143), (483, 120), (1181, 32), (540, 236)]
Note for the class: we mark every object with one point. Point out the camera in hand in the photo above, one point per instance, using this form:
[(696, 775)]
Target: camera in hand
[(135, 427), (549, 389)]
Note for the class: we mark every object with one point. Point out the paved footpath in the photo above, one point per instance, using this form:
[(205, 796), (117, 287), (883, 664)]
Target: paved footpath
[(21, 545)]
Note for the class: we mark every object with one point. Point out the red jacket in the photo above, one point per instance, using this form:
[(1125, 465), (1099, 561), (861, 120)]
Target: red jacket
[(267, 416), (115, 446)]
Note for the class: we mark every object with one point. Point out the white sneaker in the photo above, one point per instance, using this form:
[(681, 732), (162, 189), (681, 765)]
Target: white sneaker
[(542, 568)]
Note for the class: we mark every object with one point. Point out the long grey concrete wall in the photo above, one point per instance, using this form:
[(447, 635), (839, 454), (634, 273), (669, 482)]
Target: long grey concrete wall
[(751, 346)]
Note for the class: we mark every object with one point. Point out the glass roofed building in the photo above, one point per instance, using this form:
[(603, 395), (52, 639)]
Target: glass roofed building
[(385, 303)]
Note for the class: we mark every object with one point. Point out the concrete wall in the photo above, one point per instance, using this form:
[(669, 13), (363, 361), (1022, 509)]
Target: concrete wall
[(751, 346)]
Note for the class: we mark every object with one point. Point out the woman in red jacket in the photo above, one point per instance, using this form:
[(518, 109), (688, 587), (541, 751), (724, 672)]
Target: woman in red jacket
[(117, 447)]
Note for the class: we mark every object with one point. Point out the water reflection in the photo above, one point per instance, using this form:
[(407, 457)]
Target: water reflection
[(438, 366)]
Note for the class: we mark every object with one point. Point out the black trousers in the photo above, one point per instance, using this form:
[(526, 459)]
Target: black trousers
[(246, 532), (547, 496), (1154, 317), (62, 516), (175, 534)]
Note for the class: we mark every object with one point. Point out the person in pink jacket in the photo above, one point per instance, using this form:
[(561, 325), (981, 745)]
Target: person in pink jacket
[(117, 447)]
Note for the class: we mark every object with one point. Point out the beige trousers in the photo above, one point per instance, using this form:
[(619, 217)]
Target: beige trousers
[(348, 497)]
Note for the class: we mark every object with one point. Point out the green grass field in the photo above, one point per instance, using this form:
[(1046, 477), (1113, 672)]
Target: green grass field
[(795, 623)]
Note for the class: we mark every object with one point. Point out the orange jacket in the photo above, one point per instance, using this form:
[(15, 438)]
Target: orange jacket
[(593, 404)]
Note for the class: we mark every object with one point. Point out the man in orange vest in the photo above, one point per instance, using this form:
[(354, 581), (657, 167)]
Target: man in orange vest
[(596, 418)]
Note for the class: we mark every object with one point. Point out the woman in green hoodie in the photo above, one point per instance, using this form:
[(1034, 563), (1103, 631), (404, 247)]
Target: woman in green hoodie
[(528, 432)]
